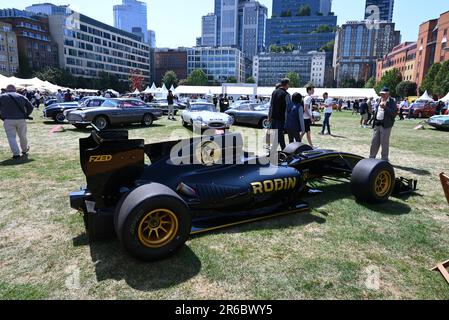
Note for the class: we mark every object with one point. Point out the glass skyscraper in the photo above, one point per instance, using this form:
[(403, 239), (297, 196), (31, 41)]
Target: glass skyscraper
[(379, 10), (131, 16), (305, 32)]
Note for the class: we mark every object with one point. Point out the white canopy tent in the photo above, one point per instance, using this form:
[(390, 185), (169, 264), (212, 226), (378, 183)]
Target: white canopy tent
[(147, 90), (446, 98), (136, 92), (425, 97), (344, 93), (164, 88)]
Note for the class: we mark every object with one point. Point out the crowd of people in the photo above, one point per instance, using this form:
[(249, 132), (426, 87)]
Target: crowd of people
[(293, 114)]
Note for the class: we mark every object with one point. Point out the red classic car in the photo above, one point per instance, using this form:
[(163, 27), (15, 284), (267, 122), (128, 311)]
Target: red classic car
[(421, 109)]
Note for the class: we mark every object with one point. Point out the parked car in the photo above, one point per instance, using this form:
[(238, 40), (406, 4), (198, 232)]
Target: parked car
[(203, 115), (115, 112), (58, 111), (421, 109), (162, 103), (439, 122), (255, 114), (50, 101)]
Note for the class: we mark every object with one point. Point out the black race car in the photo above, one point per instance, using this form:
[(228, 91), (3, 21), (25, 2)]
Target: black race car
[(202, 184)]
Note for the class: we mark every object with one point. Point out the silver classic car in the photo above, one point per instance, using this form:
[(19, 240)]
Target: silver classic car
[(203, 115), (115, 112)]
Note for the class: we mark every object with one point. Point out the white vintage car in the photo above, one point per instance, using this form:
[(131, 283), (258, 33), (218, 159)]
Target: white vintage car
[(203, 115)]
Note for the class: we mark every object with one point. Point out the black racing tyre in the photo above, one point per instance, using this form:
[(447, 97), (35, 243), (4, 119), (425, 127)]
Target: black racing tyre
[(372, 181), (153, 222), (59, 117), (147, 120), (296, 148), (101, 122)]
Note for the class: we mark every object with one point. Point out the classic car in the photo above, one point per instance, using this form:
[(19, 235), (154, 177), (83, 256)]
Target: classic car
[(162, 104), (421, 109), (202, 184), (439, 122), (115, 112), (256, 114), (250, 113), (203, 115), (59, 111)]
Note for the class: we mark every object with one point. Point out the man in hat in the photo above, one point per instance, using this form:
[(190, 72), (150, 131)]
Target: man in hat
[(384, 117)]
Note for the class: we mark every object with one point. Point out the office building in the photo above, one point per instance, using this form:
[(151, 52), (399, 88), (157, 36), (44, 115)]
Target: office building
[(170, 60), (9, 57), (402, 58), (49, 9), (217, 12), (152, 38), (432, 45), (379, 10), (252, 28), (219, 64), (87, 47), (229, 23), (209, 29), (131, 16), (36, 48), (270, 68), (289, 25), (359, 44)]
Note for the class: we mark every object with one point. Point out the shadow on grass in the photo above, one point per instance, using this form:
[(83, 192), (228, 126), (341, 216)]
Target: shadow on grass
[(18, 162), (419, 172), (335, 192), (113, 263)]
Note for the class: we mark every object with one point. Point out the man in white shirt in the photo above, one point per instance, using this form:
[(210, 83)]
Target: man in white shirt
[(404, 105), (328, 109), (60, 96), (308, 116), (37, 99)]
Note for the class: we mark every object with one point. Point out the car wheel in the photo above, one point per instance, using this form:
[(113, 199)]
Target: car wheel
[(101, 122), (372, 181), (59, 117), (147, 120), (153, 222), (184, 124), (264, 123), (233, 118)]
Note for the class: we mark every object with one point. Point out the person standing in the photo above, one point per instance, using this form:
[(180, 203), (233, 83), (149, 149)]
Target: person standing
[(60, 96), (295, 118), (68, 96), (37, 99), (171, 108), (281, 99), (308, 115), (14, 110), (364, 113), (328, 109), (404, 105), (384, 118)]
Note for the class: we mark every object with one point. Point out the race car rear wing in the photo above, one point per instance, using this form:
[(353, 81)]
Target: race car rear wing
[(111, 162)]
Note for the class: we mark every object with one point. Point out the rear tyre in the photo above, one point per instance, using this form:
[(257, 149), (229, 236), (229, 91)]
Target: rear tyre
[(264, 123), (184, 124), (372, 181), (101, 122), (59, 118), (153, 222), (296, 148), (147, 120)]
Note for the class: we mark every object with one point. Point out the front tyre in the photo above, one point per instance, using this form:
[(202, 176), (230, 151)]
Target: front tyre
[(147, 120), (372, 181), (153, 222), (101, 122), (59, 118)]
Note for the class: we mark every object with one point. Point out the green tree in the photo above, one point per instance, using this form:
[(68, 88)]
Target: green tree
[(371, 83), (406, 89), (286, 13), (295, 80), (275, 49), (429, 79), (288, 48), (440, 85), (304, 10), (250, 80), (170, 78), (390, 79), (197, 78), (231, 80), (60, 77), (328, 47), (323, 28)]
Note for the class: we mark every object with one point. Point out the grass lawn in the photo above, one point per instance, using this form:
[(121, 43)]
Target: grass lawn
[(325, 254)]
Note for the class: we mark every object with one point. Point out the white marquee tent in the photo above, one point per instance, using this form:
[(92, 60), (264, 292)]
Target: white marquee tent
[(446, 98), (425, 97)]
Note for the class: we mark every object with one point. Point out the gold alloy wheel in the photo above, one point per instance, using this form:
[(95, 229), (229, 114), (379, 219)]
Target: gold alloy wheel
[(158, 228), (383, 183)]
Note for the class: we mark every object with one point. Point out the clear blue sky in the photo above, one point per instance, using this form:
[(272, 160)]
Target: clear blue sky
[(178, 22)]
